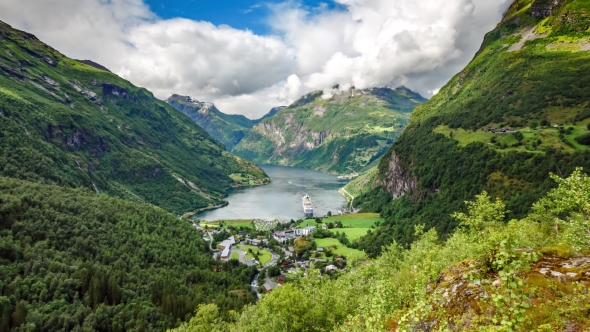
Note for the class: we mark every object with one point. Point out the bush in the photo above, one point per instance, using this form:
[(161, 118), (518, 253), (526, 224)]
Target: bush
[(584, 139), (274, 271), (583, 115)]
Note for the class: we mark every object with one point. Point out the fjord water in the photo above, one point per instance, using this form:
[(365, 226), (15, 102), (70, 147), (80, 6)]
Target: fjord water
[(282, 198)]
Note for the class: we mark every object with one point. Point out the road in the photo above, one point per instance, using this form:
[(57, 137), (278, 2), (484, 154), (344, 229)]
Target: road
[(210, 240), (273, 260), (351, 198), (241, 255)]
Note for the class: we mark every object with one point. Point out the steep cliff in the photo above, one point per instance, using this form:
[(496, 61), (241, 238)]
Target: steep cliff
[(343, 133), (516, 113), (76, 124)]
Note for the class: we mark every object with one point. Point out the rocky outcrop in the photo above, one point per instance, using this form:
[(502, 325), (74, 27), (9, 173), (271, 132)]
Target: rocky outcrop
[(544, 8), (463, 300), (397, 180), (117, 91), (301, 138)]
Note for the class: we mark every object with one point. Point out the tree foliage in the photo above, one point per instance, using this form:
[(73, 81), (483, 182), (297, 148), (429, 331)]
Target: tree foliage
[(394, 291), (74, 260)]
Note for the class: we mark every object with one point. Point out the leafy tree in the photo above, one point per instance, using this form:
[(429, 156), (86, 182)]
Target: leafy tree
[(274, 271), (71, 259), (207, 319), (568, 208)]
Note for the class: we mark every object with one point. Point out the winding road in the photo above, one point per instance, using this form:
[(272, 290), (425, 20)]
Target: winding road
[(273, 260), (351, 197)]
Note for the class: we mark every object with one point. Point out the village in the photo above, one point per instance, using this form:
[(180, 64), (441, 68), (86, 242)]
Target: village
[(284, 251)]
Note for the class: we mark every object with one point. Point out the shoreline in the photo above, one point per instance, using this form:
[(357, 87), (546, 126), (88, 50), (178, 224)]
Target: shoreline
[(188, 215)]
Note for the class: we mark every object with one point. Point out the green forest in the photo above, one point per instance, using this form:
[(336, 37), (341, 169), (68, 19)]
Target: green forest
[(483, 196), (538, 92), (71, 260), (66, 122)]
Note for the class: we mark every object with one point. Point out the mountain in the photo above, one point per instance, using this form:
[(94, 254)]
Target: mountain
[(74, 259), (228, 129), (518, 111), (341, 134), (73, 124), (272, 112)]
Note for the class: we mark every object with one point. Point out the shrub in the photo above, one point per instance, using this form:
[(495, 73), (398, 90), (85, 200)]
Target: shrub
[(584, 139)]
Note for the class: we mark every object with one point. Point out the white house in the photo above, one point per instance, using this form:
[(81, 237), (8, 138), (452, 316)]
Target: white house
[(225, 252), (331, 268), (227, 243), (305, 231)]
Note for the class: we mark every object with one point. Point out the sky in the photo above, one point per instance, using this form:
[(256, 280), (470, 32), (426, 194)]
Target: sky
[(244, 14), (248, 56)]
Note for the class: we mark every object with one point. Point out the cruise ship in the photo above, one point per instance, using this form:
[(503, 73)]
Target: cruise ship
[(307, 206)]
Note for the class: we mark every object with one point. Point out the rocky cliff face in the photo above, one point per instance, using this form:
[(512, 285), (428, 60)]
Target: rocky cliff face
[(342, 133), (544, 8), (398, 181)]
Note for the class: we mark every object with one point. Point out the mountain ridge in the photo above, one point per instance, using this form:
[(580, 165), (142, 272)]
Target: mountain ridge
[(517, 112), (228, 129), (342, 134), (72, 124)]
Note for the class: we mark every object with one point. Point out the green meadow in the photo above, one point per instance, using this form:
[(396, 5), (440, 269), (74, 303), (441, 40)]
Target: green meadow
[(227, 223)]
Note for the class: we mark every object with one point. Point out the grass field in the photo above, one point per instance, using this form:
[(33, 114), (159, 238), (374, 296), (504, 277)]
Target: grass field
[(234, 255), (264, 257), (340, 249), (548, 136), (351, 233), (356, 220), (235, 223), (327, 242)]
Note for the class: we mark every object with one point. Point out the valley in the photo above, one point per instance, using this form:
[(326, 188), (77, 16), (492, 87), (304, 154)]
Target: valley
[(343, 134), (467, 211)]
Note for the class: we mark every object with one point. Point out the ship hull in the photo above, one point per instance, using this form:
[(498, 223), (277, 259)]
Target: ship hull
[(307, 206)]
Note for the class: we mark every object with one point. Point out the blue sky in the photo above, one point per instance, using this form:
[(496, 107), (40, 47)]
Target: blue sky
[(239, 14)]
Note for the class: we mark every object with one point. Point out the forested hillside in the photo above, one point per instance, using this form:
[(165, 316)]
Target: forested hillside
[(74, 260), (526, 274), (518, 111), (69, 123), (345, 133)]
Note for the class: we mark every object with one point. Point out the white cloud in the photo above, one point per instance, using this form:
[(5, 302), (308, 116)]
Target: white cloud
[(420, 44)]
